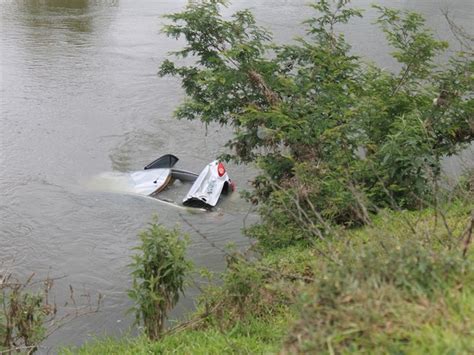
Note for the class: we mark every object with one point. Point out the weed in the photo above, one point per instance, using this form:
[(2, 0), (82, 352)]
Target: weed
[(159, 270)]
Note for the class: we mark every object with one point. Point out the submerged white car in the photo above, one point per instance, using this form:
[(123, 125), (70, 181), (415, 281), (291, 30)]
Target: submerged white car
[(204, 193)]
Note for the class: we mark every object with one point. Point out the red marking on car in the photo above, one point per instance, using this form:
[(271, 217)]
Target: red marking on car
[(220, 169)]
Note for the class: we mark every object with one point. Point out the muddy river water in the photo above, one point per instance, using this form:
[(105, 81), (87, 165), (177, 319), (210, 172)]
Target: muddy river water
[(81, 104)]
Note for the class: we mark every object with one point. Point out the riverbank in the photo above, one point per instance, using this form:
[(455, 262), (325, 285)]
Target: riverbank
[(399, 285)]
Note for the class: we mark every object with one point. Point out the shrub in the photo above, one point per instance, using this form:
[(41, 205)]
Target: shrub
[(246, 294), (159, 270), (23, 315), (27, 316), (342, 137)]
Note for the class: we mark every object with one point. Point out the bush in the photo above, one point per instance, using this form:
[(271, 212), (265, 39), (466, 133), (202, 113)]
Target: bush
[(338, 136), (27, 316), (159, 270), (247, 294), (23, 315)]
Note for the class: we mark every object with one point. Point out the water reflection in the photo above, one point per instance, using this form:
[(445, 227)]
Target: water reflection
[(44, 18), (51, 45), (73, 15)]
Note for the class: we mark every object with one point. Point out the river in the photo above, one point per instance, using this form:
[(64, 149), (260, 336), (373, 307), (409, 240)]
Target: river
[(80, 98)]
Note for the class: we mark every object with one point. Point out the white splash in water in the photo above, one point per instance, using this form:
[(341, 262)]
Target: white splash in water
[(111, 182)]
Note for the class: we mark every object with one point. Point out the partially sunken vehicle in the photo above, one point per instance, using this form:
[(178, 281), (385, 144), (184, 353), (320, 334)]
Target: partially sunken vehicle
[(204, 193)]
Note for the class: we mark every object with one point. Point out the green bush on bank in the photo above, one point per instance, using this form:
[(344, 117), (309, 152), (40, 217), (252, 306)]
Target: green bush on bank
[(331, 134), (159, 271)]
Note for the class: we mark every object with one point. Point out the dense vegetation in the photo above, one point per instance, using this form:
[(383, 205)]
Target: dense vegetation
[(361, 248), (332, 135), (398, 286)]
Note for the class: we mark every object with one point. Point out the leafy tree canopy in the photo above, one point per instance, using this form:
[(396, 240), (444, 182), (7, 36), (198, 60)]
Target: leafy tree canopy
[(330, 133)]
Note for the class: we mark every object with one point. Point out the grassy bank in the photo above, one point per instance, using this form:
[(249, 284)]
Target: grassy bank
[(249, 337), (399, 285)]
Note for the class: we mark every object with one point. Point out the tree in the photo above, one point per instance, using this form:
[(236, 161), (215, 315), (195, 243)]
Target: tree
[(303, 112)]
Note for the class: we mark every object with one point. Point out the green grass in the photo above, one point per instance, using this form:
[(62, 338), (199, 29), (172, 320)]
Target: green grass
[(400, 286), (249, 337)]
